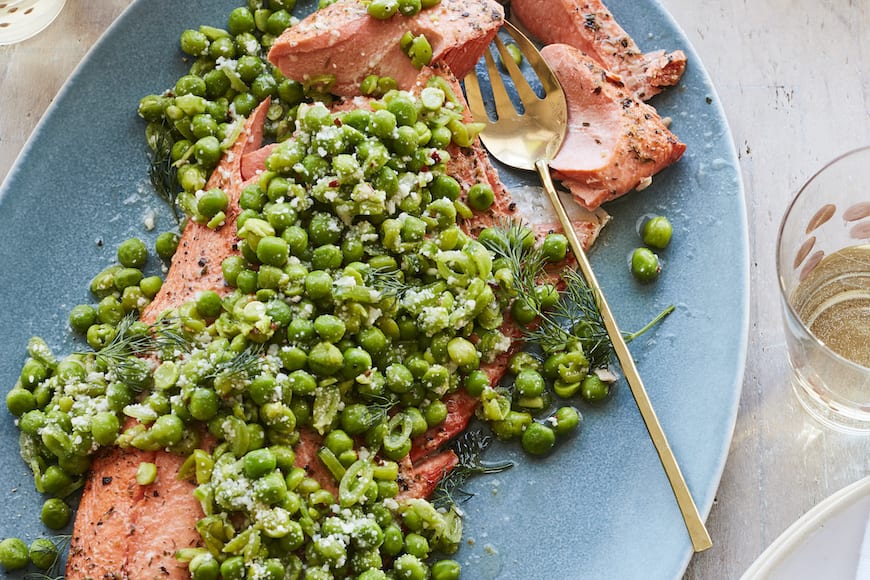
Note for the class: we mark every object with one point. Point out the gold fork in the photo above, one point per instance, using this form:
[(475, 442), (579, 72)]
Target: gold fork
[(529, 141)]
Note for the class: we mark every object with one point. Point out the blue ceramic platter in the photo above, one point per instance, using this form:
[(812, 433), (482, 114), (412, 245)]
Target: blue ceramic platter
[(600, 506)]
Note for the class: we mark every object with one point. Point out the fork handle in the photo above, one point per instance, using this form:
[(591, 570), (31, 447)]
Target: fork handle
[(697, 531)]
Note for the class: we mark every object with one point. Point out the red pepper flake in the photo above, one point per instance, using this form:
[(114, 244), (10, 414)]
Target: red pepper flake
[(336, 122), (435, 157), (333, 183)]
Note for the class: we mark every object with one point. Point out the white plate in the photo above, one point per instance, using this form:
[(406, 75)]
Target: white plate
[(824, 543)]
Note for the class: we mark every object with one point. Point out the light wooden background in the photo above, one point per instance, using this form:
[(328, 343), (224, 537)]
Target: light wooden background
[(794, 78)]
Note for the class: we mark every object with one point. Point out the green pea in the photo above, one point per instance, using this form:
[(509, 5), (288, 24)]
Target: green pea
[(529, 383), (538, 439), (32, 373), (565, 420), (81, 317), (273, 251), (259, 462), (105, 427), (19, 401), (291, 92), (394, 540), (44, 553), (373, 340), (445, 186), (480, 196), (330, 328), (190, 85), (325, 359), (204, 404), (383, 9), (645, 265), (593, 389), (244, 103), (300, 330), (399, 378), (356, 419), (657, 232), (209, 304), (166, 244), (241, 20), (555, 247), (420, 51), (203, 125), (318, 284), (194, 42), (207, 151), (222, 47), (522, 311), (462, 352), (55, 513), (296, 238), (410, 567), (382, 124), (127, 277), (167, 430), (446, 570), (233, 568), (278, 21), (280, 215), (13, 554), (110, 311), (246, 281), (132, 253)]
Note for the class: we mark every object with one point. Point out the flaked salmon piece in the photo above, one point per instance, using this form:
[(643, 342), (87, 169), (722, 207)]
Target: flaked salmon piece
[(420, 479), (165, 521), (589, 26), (460, 409), (342, 40), (614, 142), (196, 265), (254, 161), (306, 450), (100, 543)]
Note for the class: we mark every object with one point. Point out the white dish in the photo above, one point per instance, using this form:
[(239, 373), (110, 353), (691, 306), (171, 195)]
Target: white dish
[(824, 543)]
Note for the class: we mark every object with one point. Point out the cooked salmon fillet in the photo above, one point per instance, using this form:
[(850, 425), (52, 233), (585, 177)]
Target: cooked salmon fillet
[(127, 531), (342, 40), (614, 142), (589, 26)]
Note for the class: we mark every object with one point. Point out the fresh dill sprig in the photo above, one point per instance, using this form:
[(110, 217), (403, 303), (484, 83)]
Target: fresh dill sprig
[(134, 340), (388, 281), (468, 448), (574, 318), (242, 365), (379, 408), (510, 239), (161, 171)]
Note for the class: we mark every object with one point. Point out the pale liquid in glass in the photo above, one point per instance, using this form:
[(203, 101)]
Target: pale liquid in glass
[(834, 302)]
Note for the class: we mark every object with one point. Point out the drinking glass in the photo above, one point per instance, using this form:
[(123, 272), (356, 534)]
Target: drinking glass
[(823, 264), (21, 19)]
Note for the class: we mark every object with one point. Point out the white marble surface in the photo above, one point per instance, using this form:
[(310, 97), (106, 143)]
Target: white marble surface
[(794, 78)]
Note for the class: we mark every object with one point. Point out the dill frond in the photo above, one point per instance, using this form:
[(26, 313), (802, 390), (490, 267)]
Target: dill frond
[(468, 448), (388, 281), (161, 171), (242, 365), (134, 340)]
